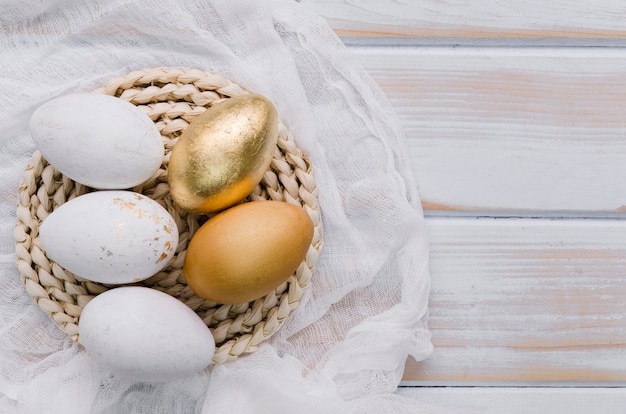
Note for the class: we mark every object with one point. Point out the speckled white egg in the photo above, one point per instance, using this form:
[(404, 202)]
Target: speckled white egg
[(98, 140), (145, 335), (110, 236)]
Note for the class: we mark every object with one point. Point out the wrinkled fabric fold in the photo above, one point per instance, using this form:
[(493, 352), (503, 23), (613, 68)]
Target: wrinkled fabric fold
[(344, 348)]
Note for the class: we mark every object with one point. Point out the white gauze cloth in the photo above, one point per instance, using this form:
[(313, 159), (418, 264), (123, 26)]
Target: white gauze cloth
[(343, 350)]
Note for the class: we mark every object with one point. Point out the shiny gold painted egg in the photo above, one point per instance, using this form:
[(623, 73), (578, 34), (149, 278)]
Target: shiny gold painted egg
[(246, 251), (223, 154)]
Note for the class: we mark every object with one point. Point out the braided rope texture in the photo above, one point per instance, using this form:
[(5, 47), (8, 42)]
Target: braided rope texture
[(171, 97)]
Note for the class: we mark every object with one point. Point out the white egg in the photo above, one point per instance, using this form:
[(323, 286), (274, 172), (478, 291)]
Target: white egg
[(145, 335), (110, 236), (98, 140)]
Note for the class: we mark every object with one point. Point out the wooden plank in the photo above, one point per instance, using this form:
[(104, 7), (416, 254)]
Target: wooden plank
[(526, 301), (522, 400), (510, 131), (562, 19)]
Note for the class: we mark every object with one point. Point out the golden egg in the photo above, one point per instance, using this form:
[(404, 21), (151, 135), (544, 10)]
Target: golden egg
[(223, 154), (246, 251)]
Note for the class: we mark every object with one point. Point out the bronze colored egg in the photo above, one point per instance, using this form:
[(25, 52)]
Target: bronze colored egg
[(246, 251), (223, 154)]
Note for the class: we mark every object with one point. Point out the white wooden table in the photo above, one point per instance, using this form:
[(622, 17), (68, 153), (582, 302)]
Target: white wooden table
[(515, 114)]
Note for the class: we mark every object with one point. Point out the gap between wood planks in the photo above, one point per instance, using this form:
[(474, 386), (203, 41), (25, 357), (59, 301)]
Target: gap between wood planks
[(405, 385), (511, 385), (474, 42), (437, 210), (519, 214)]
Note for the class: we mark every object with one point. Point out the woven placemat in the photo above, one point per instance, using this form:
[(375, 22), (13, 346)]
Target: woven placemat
[(172, 97)]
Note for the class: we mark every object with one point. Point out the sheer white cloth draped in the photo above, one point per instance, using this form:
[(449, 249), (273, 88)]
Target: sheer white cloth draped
[(344, 348)]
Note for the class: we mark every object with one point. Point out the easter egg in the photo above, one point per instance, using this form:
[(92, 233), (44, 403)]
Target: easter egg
[(111, 236), (145, 335), (223, 154), (98, 140), (246, 251)]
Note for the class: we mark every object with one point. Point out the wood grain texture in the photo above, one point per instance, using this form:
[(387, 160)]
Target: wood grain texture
[(510, 131), (522, 400), (526, 302), (424, 19), (519, 121)]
